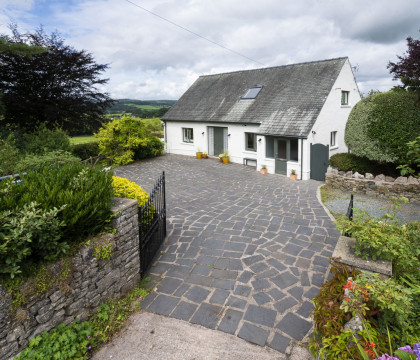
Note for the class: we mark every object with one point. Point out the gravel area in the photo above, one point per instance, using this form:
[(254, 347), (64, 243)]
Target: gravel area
[(338, 201)]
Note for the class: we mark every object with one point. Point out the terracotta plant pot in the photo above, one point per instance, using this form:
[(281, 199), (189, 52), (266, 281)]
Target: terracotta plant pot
[(263, 171), (293, 176), (204, 156), (225, 160), (198, 155)]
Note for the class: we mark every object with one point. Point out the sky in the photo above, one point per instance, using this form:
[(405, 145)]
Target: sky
[(150, 58)]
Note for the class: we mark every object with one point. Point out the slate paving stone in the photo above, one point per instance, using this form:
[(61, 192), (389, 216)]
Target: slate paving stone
[(245, 276), (259, 267), (317, 279), (279, 343), (260, 284), (296, 292), (276, 294), (250, 250), (321, 261), (163, 304), (230, 321), (311, 293), (199, 280), (181, 290), (308, 254), (234, 246), (160, 268), (260, 315), (294, 326), (252, 259), (253, 334), (211, 252), (223, 284), (261, 298), (306, 309), (284, 280), (266, 274), (184, 310), (242, 290), (277, 264), (148, 300), (224, 274), (236, 302), (197, 294), (168, 285), (285, 304), (219, 296), (207, 315), (232, 254), (201, 270), (292, 249)]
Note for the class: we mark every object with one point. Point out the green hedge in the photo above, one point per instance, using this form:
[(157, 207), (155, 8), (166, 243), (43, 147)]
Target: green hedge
[(85, 150), (362, 165)]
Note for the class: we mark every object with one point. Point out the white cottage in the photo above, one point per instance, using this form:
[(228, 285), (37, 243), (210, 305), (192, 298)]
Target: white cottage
[(285, 117)]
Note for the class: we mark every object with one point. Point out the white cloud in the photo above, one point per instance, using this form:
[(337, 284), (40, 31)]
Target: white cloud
[(152, 59)]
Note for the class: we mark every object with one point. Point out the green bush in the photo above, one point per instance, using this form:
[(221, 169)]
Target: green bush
[(9, 155), (87, 193), (351, 162), (44, 140), (33, 162), (123, 140), (65, 342), (85, 150), (380, 125), (29, 232)]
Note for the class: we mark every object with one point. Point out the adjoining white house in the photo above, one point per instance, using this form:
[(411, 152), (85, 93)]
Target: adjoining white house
[(286, 117)]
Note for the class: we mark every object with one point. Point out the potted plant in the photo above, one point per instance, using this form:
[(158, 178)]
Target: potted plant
[(204, 155), (225, 157), (198, 154), (221, 157), (293, 175), (263, 169)]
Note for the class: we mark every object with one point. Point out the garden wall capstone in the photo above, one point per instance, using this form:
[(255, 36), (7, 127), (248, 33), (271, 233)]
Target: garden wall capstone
[(377, 186), (91, 282)]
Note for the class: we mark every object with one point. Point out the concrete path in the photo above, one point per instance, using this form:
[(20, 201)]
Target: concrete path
[(245, 254)]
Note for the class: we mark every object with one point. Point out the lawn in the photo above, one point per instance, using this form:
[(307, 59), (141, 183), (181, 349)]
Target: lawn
[(82, 139)]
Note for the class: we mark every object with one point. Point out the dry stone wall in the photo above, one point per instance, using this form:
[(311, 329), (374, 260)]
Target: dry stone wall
[(92, 281), (377, 186)]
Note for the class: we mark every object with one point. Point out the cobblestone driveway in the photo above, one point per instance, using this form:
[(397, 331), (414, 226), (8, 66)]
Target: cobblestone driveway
[(245, 252)]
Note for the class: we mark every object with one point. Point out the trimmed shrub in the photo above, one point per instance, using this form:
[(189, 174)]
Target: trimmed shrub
[(125, 188), (44, 140), (29, 232), (87, 193), (34, 162), (86, 150), (351, 162), (380, 125), (123, 140)]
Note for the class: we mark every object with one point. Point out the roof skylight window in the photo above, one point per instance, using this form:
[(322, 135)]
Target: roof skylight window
[(252, 93)]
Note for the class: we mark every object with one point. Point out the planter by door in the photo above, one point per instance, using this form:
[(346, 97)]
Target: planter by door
[(217, 140)]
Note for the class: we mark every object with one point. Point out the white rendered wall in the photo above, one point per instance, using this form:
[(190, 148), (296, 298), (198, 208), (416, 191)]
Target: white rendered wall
[(333, 117)]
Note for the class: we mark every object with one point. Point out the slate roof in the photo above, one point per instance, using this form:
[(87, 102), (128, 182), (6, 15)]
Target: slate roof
[(288, 104)]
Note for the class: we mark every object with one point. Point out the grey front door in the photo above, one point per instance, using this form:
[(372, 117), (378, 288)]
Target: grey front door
[(319, 161), (218, 141), (281, 156)]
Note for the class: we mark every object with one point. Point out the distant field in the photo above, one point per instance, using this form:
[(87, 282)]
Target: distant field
[(146, 107), (82, 139)]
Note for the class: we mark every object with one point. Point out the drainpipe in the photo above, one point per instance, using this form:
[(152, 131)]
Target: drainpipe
[(301, 159), (165, 137)]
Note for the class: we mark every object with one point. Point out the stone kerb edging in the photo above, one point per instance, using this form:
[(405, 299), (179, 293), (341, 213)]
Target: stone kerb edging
[(378, 186), (92, 281)]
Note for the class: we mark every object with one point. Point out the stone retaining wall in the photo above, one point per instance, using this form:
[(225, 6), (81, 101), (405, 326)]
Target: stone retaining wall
[(92, 282), (378, 186)]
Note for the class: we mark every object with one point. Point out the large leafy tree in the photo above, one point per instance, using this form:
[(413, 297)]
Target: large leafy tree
[(56, 87), (407, 69)]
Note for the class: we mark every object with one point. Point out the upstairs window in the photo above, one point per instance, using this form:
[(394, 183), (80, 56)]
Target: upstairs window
[(333, 138), (250, 142), (252, 93), (187, 135), (345, 97)]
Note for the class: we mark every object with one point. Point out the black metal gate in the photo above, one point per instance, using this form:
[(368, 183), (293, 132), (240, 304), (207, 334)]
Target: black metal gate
[(152, 224), (319, 161)]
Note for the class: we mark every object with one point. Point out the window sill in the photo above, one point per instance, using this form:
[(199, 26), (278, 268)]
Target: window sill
[(251, 152), (335, 147), (345, 106), (187, 143)]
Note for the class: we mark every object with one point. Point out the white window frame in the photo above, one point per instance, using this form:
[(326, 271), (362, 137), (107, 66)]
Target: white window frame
[(254, 146), (333, 139), (188, 135), (345, 95)]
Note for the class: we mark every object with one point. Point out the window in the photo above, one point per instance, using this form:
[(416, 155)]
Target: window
[(269, 147), (187, 135), (345, 97), (333, 138), (294, 150), (250, 142), (252, 92)]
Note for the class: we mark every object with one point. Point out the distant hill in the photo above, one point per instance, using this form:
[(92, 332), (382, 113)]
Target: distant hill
[(141, 108)]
